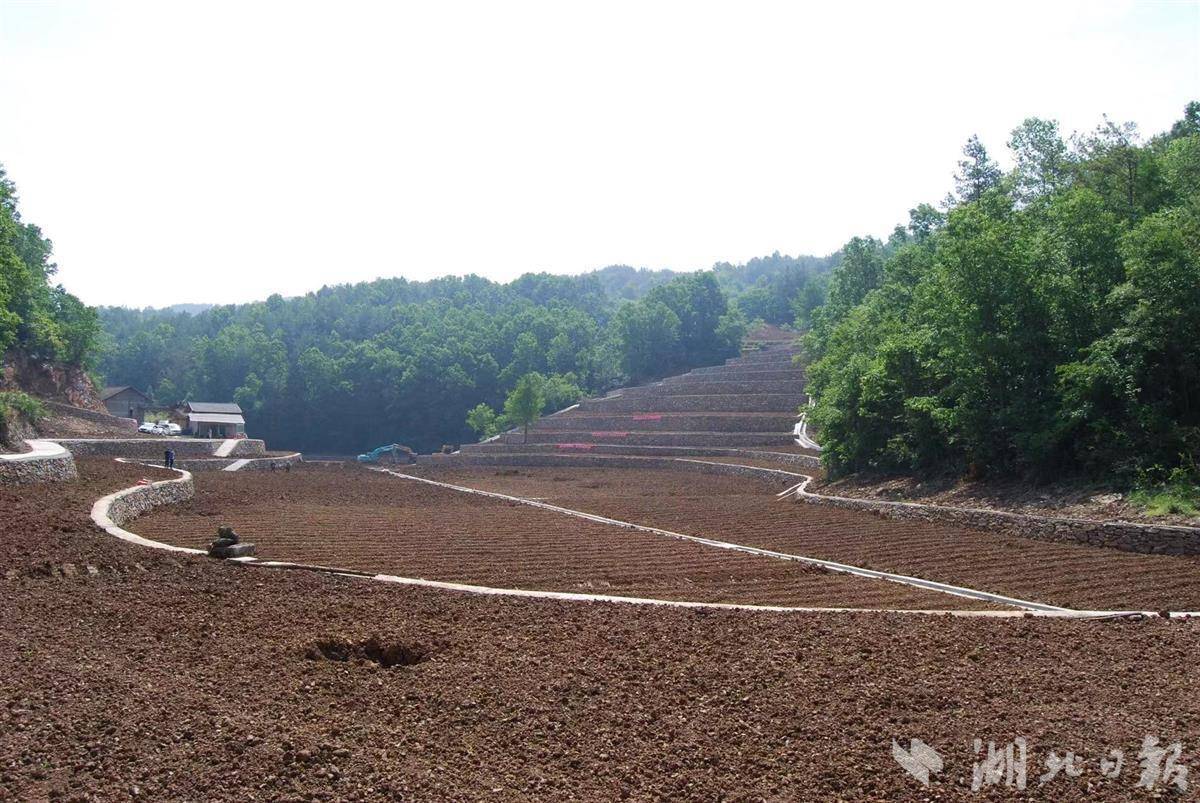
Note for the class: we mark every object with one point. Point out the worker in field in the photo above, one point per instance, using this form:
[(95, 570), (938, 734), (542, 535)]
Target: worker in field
[(169, 458)]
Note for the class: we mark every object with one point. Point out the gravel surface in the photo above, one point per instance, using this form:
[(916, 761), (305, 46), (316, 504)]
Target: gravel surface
[(738, 510), (197, 680), (358, 519)]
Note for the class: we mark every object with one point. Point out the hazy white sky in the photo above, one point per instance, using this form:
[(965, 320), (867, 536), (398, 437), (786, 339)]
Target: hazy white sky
[(219, 152)]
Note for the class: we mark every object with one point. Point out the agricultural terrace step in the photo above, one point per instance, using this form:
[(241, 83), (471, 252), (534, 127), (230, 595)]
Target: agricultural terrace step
[(154, 447), (717, 388), (779, 478), (759, 403), (765, 453), (246, 463), (759, 367), (765, 356), (735, 375), (669, 422), (656, 438)]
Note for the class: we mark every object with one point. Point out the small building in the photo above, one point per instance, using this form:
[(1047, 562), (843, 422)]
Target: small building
[(211, 419), (126, 402)]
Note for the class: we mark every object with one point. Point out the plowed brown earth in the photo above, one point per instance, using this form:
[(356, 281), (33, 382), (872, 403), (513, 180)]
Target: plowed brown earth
[(190, 681), (357, 519), (743, 511), (24, 510)]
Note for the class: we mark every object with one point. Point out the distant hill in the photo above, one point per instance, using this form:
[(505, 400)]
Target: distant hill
[(177, 309)]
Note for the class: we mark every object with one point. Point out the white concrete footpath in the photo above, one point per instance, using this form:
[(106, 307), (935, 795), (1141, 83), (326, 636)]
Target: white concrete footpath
[(236, 464), (38, 450), (801, 432), (226, 448)]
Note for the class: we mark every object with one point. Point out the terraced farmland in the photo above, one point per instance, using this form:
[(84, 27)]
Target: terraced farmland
[(740, 510), (356, 519)]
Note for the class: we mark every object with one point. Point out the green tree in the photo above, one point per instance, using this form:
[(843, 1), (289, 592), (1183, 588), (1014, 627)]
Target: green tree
[(648, 334), (1041, 158), (484, 421), (977, 173), (524, 404)]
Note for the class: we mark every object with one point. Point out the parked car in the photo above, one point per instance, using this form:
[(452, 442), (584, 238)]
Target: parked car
[(148, 427), (166, 428)]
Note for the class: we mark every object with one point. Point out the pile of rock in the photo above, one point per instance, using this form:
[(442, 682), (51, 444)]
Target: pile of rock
[(229, 545)]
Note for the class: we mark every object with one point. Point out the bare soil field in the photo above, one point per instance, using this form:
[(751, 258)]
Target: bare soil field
[(192, 679), (52, 511), (740, 510), (352, 518)]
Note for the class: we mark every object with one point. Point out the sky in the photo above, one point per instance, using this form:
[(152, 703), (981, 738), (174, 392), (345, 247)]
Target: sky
[(220, 152)]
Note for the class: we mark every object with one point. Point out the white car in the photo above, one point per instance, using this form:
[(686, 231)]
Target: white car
[(148, 427), (166, 428)]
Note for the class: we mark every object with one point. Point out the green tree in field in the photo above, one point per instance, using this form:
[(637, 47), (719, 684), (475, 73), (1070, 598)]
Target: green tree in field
[(524, 404), (484, 421)]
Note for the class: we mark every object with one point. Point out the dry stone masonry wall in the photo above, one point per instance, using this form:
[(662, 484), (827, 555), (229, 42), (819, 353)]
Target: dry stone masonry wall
[(1126, 536), (125, 506), (45, 462)]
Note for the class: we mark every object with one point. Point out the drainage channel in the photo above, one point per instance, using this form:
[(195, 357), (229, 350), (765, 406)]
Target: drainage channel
[(857, 571)]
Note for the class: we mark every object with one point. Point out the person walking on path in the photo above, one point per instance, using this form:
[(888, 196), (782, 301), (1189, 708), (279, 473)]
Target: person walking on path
[(169, 458)]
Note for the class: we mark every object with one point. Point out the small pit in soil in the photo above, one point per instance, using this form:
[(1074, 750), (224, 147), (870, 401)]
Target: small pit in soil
[(387, 654)]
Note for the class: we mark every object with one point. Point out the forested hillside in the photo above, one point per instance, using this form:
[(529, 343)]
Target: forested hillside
[(39, 322), (1044, 320), (349, 367), (38, 319)]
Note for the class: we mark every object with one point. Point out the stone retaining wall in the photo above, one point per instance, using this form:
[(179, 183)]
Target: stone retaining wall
[(750, 371), (761, 403), (153, 448), (127, 424), (668, 422), (768, 357), (700, 439), (783, 458), (125, 506), (1126, 536), (249, 447), (724, 374), (775, 477), (45, 462), (719, 386)]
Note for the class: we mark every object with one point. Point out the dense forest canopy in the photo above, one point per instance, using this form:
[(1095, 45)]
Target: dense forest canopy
[(1043, 320), (349, 367)]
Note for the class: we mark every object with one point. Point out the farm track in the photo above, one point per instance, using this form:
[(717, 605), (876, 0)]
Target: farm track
[(739, 510), (359, 520)]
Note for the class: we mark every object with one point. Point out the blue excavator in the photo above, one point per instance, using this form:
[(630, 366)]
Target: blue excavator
[(398, 453)]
